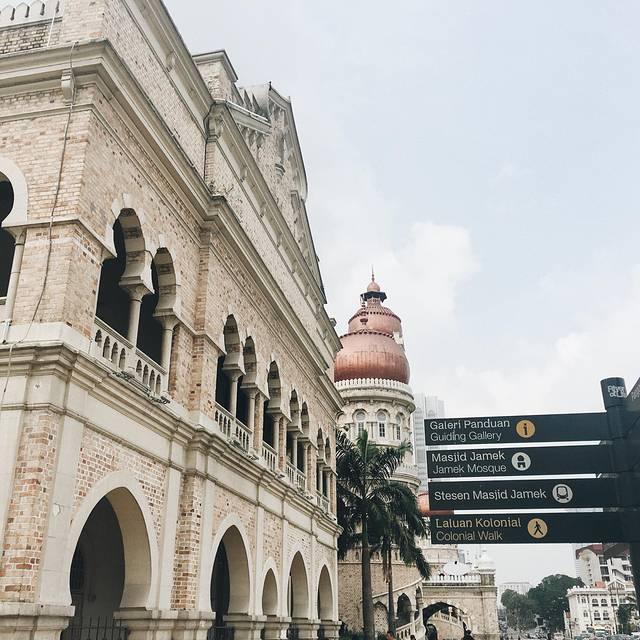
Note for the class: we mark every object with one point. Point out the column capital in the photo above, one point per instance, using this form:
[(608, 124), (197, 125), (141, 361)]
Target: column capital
[(135, 287)]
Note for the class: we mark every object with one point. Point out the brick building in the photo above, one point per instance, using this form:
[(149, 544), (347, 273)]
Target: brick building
[(167, 409)]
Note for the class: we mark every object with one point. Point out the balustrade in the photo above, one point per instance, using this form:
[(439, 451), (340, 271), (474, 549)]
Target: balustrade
[(232, 428), (119, 354), (323, 502), (269, 456), (296, 477)]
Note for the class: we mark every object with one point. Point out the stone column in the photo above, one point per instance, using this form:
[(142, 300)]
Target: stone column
[(192, 625), (136, 292), (24, 621), (331, 629), (16, 265), (156, 624), (275, 627), (168, 324), (311, 468), (257, 422), (282, 449), (233, 393), (308, 629), (294, 449), (245, 627), (251, 412), (276, 435)]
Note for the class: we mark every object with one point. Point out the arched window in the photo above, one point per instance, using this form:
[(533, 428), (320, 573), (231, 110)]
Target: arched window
[(360, 418), (382, 424), (113, 301), (7, 244), (399, 426)]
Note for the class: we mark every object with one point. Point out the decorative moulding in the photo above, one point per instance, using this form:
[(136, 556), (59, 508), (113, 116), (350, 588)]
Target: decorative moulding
[(14, 14)]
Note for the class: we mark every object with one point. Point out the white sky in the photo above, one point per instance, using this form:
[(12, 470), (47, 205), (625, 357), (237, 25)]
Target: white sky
[(484, 157)]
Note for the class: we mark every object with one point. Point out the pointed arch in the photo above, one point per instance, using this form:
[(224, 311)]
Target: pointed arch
[(326, 607), (298, 599), (126, 498), (231, 538)]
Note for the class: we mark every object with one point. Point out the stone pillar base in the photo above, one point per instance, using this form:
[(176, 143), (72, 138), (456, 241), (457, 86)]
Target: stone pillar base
[(308, 629), (145, 624), (193, 625), (26, 621), (330, 629), (245, 627), (275, 628)]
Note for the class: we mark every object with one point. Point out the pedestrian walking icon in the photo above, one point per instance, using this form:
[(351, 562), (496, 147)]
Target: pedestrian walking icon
[(537, 528), (520, 461), (525, 428)]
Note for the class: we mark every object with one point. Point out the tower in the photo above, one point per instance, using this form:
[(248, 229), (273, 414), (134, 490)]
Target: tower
[(372, 374)]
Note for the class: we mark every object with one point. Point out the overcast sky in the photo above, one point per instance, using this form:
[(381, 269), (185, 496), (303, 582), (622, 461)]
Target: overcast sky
[(484, 157)]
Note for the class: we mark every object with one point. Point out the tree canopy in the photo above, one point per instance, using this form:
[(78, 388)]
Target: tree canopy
[(520, 610), (550, 598)]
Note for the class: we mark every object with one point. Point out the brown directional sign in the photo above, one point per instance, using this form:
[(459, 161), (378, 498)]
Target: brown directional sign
[(502, 461), (561, 427), (523, 494), (507, 528)]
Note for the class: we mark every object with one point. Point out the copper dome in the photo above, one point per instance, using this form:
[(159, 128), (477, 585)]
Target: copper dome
[(370, 349), (379, 318)]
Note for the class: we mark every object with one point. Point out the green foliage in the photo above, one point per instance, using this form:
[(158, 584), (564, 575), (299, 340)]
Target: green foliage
[(550, 598), (520, 610), (374, 511), (625, 614)]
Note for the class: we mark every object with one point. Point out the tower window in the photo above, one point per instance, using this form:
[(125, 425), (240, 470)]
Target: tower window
[(361, 416), (382, 424)]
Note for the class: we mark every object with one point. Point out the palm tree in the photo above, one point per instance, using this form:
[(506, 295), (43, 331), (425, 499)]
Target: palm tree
[(401, 526), (366, 496)]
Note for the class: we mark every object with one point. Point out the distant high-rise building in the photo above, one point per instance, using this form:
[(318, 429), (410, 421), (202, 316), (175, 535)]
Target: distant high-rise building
[(597, 569), (426, 407)]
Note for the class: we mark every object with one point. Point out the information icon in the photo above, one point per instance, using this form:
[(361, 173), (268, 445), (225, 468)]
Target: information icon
[(562, 493), (520, 461), (525, 428), (537, 528)]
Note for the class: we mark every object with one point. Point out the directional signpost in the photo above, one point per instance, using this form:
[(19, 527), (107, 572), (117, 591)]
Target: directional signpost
[(525, 494), (538, 527), (500, 461), (510, 429), (501, 447)]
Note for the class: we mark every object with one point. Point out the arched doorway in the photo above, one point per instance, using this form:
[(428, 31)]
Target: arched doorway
[(404, 610), (325, 596), (270, 595), (297, 595), (230, 587), (110, 568)]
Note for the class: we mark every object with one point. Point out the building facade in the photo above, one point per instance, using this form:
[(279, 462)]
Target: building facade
[(595, 608), (167, 406), (597, 569), (426, 407)]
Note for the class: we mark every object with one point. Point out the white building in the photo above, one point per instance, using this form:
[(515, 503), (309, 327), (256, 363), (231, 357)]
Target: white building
[(426, 407), (596, 570), (595, 608)]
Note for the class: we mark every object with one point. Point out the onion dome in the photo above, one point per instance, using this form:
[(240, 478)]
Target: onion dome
[(372, 348)]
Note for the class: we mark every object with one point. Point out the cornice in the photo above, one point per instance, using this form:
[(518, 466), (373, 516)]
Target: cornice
[(234, 138), (71, 365), (28, 69), (229, 227), (168, 35), (219, 55)]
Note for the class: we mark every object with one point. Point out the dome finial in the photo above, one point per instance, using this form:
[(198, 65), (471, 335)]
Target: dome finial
[(373, 285)]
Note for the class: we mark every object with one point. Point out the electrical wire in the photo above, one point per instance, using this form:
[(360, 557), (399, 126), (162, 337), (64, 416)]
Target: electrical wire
[(50, 229)]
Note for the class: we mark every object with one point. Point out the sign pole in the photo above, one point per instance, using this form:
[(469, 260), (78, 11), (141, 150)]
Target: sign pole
[(614, 393)]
